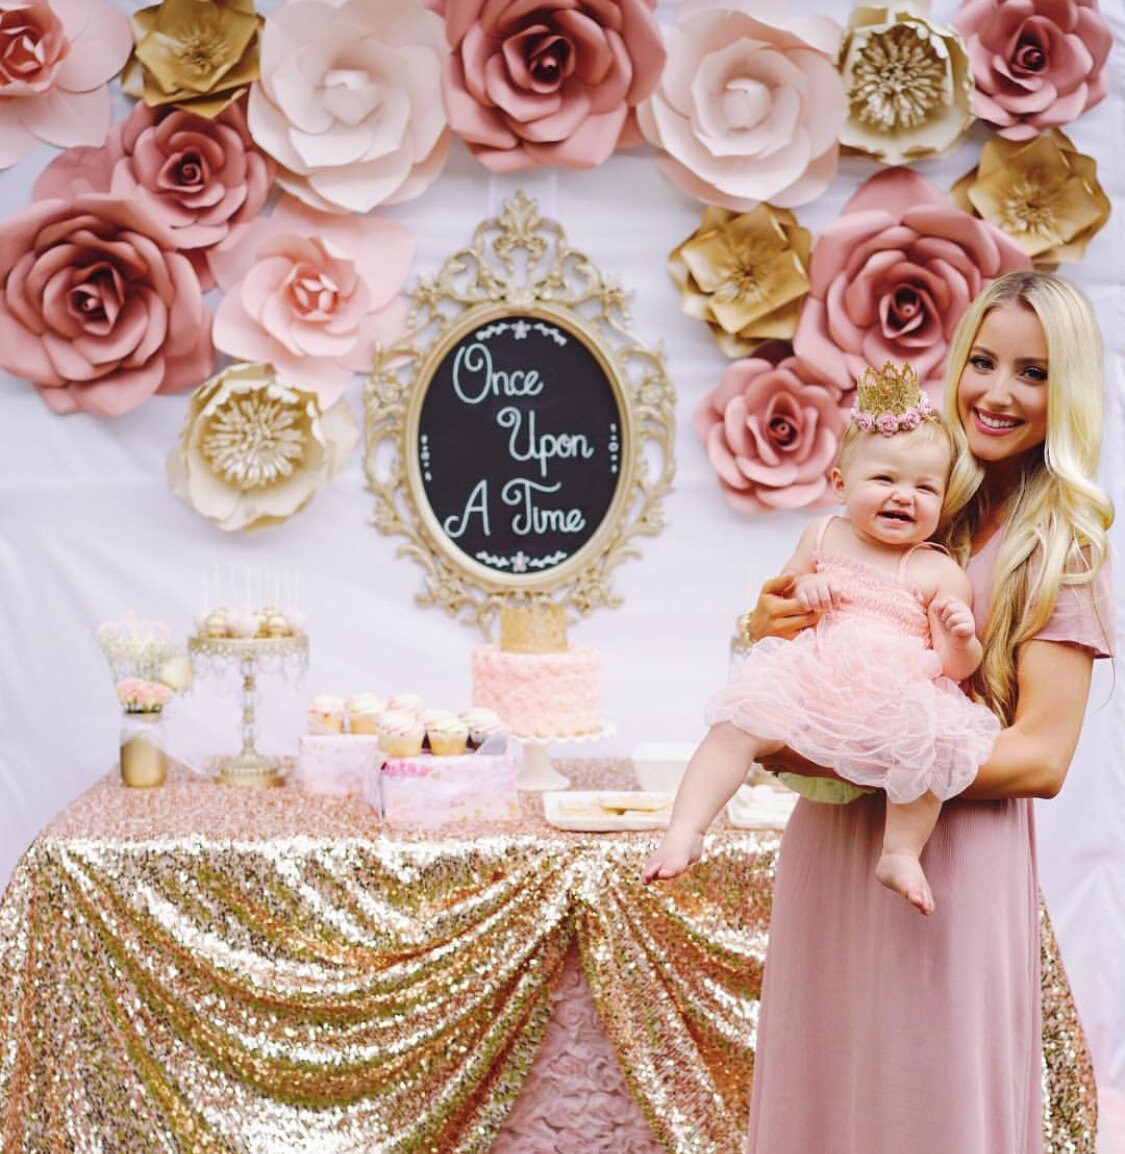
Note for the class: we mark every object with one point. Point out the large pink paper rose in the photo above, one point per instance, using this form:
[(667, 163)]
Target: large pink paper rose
[(97, 308), (55, 59), (890, 278), (553, 82), (313, 294), (750, 105), (349, 101), (200, 177), (1037, 64), (772, 432)]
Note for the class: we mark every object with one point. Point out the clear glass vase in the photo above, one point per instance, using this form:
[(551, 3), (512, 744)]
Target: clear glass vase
[(144, 763)]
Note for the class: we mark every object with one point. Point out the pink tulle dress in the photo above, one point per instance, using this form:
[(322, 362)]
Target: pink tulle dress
[(863, 691)]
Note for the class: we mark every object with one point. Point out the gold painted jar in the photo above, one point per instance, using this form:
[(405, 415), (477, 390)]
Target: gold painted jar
[(143, 761)]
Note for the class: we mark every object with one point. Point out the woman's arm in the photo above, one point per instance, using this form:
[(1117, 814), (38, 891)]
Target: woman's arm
[(1031, 757)]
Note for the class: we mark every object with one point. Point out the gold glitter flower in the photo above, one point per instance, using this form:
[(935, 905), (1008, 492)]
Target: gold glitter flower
[(254, 451), (1043, 193), (745, 275), (194, 54), (908, 85)]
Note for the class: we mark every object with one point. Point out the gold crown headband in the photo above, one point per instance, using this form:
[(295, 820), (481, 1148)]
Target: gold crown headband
[(890, 400)]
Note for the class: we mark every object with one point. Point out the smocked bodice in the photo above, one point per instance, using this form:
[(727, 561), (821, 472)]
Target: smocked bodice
[(867, 591)]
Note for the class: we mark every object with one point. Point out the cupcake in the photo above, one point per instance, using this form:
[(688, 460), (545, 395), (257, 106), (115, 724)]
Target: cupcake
[(407, 703), (448, 736), (363, 713), (483, 724), (401, 733), (326, 714)]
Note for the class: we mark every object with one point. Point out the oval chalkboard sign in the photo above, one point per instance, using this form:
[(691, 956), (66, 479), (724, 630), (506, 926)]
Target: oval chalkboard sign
[(519, 431)]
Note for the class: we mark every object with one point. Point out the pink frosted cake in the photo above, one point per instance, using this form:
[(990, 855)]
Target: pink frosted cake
[(538, 684)]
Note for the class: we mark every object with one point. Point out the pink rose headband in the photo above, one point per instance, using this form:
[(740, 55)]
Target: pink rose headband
[(889, 401)]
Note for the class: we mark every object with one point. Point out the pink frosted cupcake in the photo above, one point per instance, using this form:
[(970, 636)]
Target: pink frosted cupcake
[(364, 711), (326, 714), (447, 735), (407, 703), (483, 724), (400, 734)]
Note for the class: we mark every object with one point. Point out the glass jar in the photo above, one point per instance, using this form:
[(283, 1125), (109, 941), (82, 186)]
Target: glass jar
[(143, 760)]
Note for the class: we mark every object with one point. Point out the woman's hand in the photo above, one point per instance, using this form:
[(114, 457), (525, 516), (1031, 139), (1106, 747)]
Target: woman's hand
[(778, 613)]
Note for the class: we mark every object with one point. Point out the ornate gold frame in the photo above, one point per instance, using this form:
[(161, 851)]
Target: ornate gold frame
[(518, 264)]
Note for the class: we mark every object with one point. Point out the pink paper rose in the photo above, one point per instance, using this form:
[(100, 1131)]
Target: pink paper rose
[(1037, 64), (554, 82), (55, 59), (890, 278), (772, 432), (96, 306), (349, 101), (200, 177), (750, 106), (312, 294)]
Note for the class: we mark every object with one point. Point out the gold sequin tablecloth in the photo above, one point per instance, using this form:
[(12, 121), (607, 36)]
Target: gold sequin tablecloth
[(199, 969)]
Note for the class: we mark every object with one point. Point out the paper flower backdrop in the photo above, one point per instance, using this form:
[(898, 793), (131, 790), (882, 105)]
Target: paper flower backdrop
[(750, 105), (907, 83), (551, 82), (254, 451), (312, 293), (349, 101), (192, 54), (199, 177), (772, 431), (97, 308), (55, 59)]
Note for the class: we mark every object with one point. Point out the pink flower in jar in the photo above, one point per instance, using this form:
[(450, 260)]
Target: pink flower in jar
[(200, 176), (772, 432), (97, 308), (554, 82), (890, 278), (55, 59), (1037, 64)]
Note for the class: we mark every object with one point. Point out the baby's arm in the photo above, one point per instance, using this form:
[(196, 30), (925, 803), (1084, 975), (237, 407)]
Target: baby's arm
[(814, 591), (951, 620)]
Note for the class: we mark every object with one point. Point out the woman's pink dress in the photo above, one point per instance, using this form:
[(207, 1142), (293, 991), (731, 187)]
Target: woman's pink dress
[(863, 691), (884, 1032)]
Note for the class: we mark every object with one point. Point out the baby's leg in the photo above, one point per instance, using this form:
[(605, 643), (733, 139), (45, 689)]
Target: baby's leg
[(717, 768), (907, 829)]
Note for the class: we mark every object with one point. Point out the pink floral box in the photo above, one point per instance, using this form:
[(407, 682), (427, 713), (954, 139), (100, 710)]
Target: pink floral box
[(336, 763), (428, 790)]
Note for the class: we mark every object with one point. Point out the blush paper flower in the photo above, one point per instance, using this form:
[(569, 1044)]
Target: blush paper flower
[(199, 177), (349, 101), (1043, 193), (192, 54), (1037, 64), (745, 275), (313, 294), (890, 278), (772, 432), (254, 451), (549, 83), (749, 106), (55, 59), (97, 308), (907, 83)]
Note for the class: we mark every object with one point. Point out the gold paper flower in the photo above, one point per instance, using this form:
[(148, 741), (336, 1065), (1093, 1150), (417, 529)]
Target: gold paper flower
[(254, 451), (194, 54), (1043, 193), (908, 85), (745, 275)]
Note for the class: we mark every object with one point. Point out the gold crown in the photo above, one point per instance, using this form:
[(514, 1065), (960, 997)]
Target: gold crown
[(893, 389)]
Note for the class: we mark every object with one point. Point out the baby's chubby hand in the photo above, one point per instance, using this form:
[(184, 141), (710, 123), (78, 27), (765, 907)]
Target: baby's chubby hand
[(678, 849), (817, 593), (954, 616)]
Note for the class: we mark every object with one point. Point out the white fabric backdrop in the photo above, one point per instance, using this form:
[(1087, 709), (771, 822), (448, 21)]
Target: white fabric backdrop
[(89, 528)]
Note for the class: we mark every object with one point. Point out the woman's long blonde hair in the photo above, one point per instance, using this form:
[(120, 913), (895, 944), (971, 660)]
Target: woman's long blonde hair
[(1056, 524)]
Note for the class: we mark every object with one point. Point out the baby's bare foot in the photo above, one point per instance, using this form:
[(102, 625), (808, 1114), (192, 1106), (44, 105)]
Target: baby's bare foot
[(903, 873)]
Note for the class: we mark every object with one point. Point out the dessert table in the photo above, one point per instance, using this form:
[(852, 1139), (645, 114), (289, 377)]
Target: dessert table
[(205, 969)]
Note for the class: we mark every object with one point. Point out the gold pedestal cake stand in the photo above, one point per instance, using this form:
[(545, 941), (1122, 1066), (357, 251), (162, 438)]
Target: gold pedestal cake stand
[(287, 655)]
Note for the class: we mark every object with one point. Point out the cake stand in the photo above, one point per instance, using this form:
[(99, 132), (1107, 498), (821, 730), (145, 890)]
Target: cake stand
[(537, 773), (285, 655)]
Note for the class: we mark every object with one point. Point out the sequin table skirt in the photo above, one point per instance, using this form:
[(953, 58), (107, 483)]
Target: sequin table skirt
[(199, 969)]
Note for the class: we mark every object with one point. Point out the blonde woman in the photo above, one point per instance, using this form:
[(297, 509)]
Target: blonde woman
[(881, 1032)]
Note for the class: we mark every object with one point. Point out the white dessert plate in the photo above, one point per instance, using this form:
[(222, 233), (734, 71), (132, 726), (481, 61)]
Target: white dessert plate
[(760, 807), (607, 811)]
